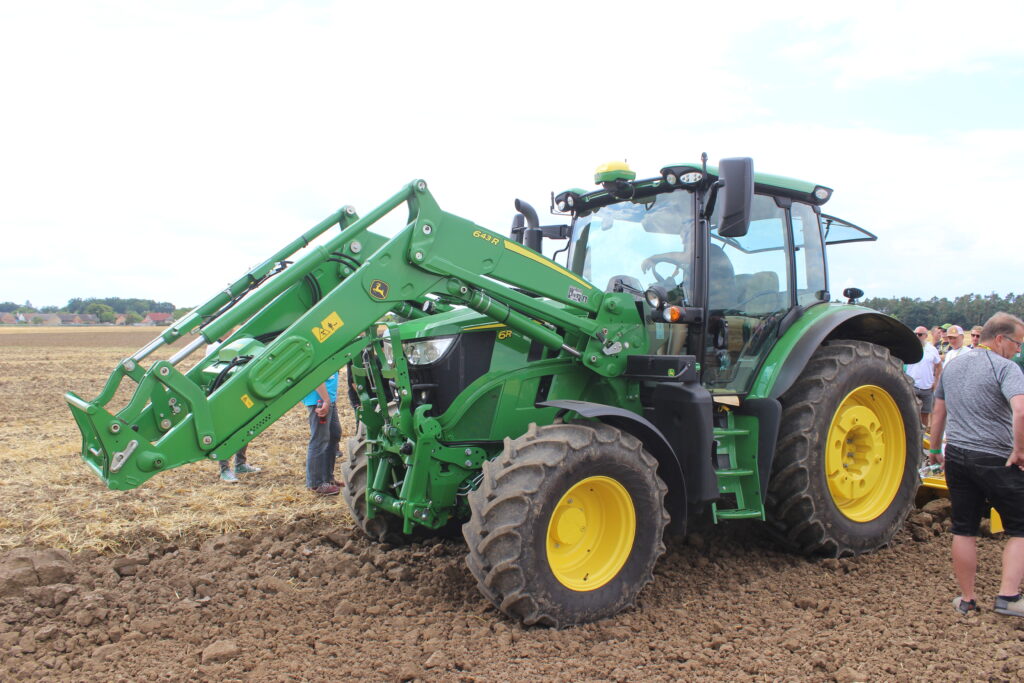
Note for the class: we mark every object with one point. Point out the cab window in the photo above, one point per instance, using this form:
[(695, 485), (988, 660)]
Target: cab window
[(748, 294), (809, 257)]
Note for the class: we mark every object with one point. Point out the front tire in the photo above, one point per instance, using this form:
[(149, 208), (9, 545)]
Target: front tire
[(844, 474), (567, 524), (383, 527)]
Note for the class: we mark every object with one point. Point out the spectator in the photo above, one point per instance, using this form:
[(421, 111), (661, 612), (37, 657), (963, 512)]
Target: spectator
[(939, 339), (925, 374), (982, 395), (227, 474), (975, 336), (324, 437), (241, 467), (944, 340), (955, 339)]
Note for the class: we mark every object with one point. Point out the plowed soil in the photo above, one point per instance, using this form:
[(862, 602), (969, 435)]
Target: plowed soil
[(297, 594)]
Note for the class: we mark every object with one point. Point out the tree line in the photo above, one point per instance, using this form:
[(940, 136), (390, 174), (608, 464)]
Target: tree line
[(966, 310), (105, 309)]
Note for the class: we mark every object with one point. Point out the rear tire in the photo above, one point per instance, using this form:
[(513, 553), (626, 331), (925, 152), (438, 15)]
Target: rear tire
[(844, 474), (567, 524)]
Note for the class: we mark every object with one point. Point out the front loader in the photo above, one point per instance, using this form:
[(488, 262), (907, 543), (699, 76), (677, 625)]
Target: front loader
[(686, 357)]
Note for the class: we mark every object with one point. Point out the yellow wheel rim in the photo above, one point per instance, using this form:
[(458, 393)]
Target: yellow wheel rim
[(866, 453), (590, 533)]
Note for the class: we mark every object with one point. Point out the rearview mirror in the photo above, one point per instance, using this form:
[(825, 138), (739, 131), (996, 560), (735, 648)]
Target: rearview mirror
[(737, 178)]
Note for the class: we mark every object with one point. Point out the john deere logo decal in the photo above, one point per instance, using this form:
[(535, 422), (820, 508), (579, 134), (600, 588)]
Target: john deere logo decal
[(379, 289)]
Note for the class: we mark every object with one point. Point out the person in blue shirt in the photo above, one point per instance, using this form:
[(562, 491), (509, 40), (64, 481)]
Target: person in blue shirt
[(324, 438)]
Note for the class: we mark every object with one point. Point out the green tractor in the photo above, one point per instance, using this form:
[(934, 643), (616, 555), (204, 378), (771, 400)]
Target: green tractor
[(678, 354)]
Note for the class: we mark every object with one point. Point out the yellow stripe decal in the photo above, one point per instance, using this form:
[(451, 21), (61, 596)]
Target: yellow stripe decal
[(523, 251), (483, 327)]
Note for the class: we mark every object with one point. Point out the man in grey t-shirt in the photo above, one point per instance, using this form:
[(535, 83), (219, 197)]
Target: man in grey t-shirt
[(979, 403)]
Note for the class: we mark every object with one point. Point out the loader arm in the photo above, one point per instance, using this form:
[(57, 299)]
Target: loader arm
[(302, 321)]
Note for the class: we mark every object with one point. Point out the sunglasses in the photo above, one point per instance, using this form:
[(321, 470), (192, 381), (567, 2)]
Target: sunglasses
[(976, 336), (922, 334)]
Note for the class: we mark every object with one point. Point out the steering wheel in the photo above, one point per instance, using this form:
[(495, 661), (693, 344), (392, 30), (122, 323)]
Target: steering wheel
[(669, 281)]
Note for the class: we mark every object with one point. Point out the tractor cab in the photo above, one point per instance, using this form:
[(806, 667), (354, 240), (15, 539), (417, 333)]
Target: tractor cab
[(721, 290)]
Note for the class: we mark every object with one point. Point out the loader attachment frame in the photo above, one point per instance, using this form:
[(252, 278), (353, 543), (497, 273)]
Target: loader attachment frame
[(297, 323)]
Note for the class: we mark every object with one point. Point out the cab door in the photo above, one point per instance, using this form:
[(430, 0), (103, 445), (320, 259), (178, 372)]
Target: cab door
[(750, 290)]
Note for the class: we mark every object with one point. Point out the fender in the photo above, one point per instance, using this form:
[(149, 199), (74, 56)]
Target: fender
[(821, 323), (669, 468)]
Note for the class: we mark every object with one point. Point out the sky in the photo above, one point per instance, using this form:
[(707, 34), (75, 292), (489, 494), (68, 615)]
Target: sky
[(159, 150)]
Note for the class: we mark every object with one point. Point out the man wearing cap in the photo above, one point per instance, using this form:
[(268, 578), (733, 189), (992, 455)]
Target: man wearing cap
[(925, 374), (982, 394), (955, 337)]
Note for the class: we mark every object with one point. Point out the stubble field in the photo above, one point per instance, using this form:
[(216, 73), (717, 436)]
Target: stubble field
[(190, 578)]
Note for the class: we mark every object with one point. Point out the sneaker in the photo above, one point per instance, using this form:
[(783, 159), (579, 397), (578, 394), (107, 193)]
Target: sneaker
[(246, 468), (966, 606), (228, 476), (326, 490), (1012, 608)]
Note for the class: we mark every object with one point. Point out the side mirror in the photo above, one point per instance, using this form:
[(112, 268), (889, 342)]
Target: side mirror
[(737, 178), (852, 294)]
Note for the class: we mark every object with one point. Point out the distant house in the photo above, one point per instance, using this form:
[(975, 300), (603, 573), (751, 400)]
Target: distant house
[(69, 318), (121, 319), (8, 319), (88, 318), (157, 319), (47, 318)]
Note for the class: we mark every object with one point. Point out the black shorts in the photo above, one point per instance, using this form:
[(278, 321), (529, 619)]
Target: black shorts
[(977, 481)]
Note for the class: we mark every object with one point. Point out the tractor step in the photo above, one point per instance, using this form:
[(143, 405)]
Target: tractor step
[(738, 478), (746, 513), (734, 473)]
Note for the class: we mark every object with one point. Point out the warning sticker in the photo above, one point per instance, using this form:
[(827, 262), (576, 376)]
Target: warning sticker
[(247, 401), (328, 326)]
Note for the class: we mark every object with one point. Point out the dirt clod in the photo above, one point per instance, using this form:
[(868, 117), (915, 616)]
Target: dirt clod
[(23, 568), (805, 602), (220, 651), (435, 660), (272, 584), (938, 508), (848, 674)]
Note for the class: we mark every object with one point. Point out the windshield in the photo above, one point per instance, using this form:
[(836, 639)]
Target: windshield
[(638, 243)]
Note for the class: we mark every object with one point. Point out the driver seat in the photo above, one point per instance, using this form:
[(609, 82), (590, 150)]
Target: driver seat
[(721, 280), (758, 292)]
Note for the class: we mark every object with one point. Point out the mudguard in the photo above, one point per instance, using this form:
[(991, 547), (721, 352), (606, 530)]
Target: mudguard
[(669, 467), (822, 323)]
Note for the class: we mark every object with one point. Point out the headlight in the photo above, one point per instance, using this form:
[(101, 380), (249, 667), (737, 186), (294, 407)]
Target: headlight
[(656, 297), (426, 351)]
